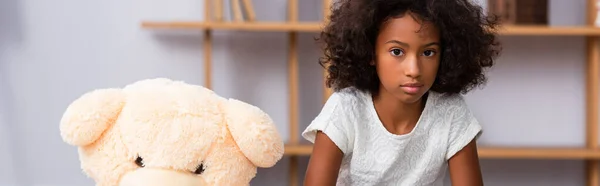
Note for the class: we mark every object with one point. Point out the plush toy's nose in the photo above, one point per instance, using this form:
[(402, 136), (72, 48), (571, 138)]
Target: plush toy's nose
[(160, 177)]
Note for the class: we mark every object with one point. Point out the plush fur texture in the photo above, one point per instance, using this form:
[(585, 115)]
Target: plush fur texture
[(159, 131)]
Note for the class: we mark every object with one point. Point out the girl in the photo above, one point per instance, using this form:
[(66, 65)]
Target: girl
[(397, 117)]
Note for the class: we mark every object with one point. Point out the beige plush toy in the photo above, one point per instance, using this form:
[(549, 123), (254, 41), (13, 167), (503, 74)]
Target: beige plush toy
[(159, 132)]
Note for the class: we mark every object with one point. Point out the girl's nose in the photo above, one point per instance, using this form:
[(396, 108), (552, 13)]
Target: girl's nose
[(411, 67)]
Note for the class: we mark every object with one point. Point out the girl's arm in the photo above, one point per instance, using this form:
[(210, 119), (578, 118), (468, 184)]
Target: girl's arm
[(464, 167), (324, 162)]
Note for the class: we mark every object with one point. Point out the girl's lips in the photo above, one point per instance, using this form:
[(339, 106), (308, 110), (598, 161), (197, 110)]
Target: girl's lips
[(411, 88)]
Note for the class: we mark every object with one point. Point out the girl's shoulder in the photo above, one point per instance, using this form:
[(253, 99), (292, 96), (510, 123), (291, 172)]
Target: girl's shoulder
[(342, 110), (348, 97), (448, 102), (348, 105), (453, 112), (351, 94)]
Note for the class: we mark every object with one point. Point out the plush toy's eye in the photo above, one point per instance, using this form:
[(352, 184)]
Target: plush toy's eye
[(200, 169), (139, 161)]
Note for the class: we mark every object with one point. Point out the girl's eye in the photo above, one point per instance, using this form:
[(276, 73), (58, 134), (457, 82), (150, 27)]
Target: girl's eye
[(429, 53), (396, 52)]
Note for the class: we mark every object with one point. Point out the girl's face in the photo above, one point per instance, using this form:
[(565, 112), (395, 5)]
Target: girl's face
[(407, 57)]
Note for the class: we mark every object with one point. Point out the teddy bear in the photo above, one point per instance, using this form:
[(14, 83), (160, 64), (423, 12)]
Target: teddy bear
[(161, 132)]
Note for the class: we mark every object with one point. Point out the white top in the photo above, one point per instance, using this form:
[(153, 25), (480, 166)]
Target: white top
[(374, 156)]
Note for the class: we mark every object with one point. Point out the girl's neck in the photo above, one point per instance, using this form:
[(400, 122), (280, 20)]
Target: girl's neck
[(398, 117)]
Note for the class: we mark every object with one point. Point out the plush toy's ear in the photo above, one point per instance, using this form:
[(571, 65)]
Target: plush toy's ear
[(254, 132), (86, 118)]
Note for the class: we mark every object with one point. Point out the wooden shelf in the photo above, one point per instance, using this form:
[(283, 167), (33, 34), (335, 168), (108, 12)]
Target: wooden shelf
[(242, 26), (317, 26), (550, 30), (538, 153), (496, 152)]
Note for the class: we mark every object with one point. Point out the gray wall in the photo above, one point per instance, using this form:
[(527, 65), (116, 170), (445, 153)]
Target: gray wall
[(83, 45)]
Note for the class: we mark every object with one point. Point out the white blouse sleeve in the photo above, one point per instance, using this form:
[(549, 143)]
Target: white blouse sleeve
[(333, 122), (464, 127)]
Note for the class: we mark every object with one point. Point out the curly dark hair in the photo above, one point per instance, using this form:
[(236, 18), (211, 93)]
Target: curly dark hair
[(468, 41)]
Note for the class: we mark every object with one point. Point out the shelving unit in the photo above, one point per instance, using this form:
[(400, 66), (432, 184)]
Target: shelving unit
[(501, 152), (294, 148), (316, 27)]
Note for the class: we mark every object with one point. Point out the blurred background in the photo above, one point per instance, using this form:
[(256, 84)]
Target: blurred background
[(51, 52)]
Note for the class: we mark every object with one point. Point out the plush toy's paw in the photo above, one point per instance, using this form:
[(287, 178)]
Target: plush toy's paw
[(87, 117), (254, 132)]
